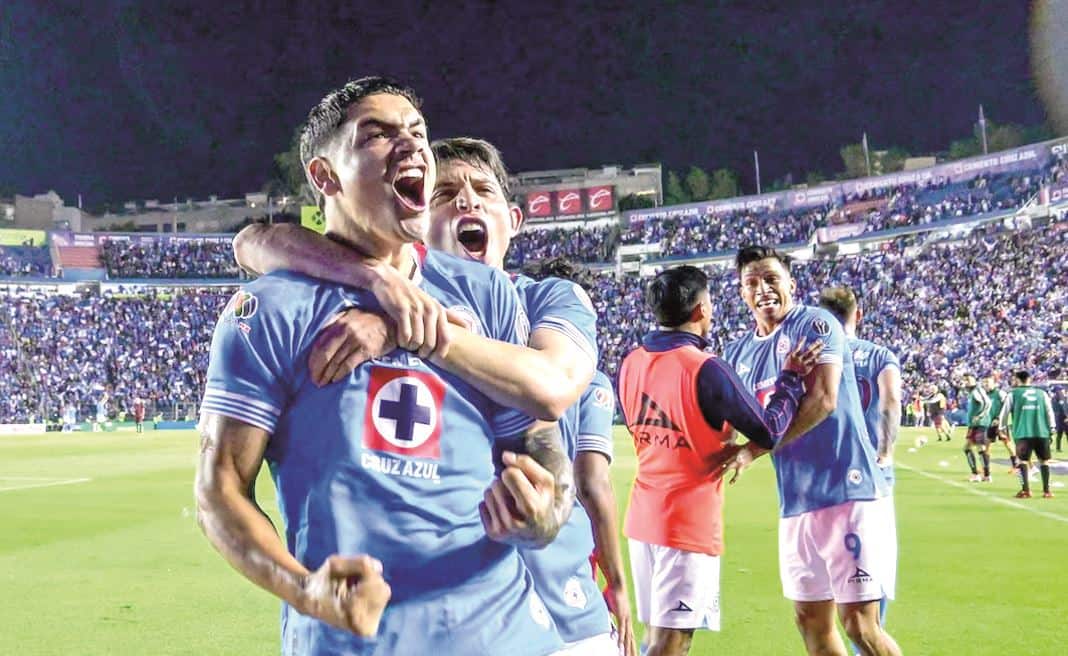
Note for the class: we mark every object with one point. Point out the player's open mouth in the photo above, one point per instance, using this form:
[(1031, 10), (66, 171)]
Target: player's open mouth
[(767, 302), (409, 188), (472, 234)]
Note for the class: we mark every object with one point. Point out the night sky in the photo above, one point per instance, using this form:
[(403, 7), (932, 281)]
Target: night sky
[(127, 101)]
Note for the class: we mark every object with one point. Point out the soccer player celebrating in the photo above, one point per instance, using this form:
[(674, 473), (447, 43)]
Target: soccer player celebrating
[(879, 382), (935, 405), (391, 482), (996, 431), (978, 422), (1031, 414), (837, 543), (471, 218), (681, 405)]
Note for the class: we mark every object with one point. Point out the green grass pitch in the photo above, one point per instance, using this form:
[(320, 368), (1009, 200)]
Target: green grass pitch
[(100, 554)]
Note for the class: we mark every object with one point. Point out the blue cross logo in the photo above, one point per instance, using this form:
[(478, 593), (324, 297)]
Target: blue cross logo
[(406, 411)]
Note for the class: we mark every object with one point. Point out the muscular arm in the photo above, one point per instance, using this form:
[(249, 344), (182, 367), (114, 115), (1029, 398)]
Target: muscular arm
[(534, 495), (889, 410), (231, 453), (596, 495), (261, 248), (821, 397), (544, 443), (543, 380)]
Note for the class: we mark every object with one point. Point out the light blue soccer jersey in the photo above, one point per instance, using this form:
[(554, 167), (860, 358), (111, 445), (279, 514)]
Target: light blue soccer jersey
[(563, 574), (869, 361), (560, 305), (834, 462), (391, 462)]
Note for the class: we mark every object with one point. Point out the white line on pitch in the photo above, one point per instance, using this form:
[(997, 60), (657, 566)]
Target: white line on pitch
[(971, 488), (31, 478), (71, 481)]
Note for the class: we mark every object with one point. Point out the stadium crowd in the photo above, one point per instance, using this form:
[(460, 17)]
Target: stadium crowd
[(169, 259), (25, 262), (939, 318), (57, 350), (585, 244)]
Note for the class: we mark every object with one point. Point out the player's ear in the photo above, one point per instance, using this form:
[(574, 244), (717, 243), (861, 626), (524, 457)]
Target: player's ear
[(323, 177), (515, 213), (860, 315)]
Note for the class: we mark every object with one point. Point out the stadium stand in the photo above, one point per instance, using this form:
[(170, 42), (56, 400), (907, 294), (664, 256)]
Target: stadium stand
[(593, 244), (919, 290), (25, 262), (57, 349), (169, 259)]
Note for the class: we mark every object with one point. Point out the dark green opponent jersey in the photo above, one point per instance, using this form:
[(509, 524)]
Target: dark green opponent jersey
[(978, 408), (997, 403), (1031, 413)]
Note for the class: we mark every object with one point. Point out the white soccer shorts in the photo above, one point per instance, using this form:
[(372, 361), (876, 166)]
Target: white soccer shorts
[(675, 589), (847, 553), (603, 644)]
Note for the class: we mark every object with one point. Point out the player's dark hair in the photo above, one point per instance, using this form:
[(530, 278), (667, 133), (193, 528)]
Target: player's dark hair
[(839, 301), (326, 118), (559, 267), (674, 293), (750, 254), (476, 152), (1022, 376)]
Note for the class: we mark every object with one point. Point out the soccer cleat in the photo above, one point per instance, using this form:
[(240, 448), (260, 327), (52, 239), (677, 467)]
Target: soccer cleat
[(1023, 494), (975, 478), (987, 479), (1047, 495)]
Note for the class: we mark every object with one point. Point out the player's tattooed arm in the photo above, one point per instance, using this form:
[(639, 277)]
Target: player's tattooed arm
[(544, 443), (889, 411), (535, 492), (421, 323), (346, 592)]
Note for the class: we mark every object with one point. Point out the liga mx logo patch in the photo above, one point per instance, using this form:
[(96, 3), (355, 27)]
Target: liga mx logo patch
[(403, 414)]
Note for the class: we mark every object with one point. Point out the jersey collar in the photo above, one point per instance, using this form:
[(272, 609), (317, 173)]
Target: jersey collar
[(665, 340), (757, 338)]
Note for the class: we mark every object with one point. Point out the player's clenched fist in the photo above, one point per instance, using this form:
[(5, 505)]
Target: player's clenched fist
[(348, 593), (519, 507)]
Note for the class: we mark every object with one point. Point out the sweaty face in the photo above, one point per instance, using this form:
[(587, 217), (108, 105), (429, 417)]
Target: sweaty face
[(469, 214), (768, 289), (384, 169)]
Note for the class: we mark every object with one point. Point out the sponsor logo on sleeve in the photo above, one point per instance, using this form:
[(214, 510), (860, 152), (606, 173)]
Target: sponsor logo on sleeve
[(821, 327), (469, 318), (241, 307), (602, 398)]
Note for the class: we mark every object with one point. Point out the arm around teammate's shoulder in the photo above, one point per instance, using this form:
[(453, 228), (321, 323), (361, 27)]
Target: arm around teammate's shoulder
[(724, 398)]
